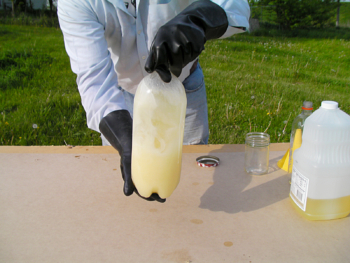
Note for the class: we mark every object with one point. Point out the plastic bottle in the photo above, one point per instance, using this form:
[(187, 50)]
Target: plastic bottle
[(320, 187), (297, 130), (158, 129)]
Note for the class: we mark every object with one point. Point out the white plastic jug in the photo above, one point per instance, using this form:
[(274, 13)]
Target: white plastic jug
[(320, 186), (158, 129)]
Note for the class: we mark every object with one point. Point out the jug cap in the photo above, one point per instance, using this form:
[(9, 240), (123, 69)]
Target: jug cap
[(329, 105)]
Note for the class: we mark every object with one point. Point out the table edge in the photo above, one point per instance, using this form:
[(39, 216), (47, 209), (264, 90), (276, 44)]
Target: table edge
[(110, 150)]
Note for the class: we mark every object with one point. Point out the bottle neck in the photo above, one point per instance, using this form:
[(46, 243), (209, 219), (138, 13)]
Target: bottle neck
[(306, 112)]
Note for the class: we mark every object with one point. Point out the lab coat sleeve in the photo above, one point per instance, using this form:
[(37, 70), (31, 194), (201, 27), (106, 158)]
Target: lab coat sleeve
[(90, 59), (238, 13)]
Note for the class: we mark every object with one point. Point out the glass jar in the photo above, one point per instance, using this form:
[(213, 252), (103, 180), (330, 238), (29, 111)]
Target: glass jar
[(257, 150)]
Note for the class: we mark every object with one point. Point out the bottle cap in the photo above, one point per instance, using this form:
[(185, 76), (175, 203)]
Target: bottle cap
[(307, 105), (329, 105), (208, 161)]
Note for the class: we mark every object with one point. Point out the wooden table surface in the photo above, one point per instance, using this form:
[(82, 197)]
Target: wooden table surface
[(65, 204)]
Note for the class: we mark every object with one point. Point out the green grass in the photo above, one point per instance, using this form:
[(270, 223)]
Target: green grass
[(254, 83), (31, 18), (38, 87), (259, 83)]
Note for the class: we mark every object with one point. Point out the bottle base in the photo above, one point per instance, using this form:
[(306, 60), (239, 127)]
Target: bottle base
[(256, 171)]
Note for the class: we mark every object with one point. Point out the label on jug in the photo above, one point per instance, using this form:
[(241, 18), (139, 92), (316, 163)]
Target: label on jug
[(298, 189)]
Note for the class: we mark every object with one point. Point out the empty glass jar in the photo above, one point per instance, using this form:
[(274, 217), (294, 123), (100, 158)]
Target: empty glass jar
[(257, 150)]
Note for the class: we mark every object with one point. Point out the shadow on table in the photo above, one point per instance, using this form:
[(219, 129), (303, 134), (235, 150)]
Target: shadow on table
[(227, 194)]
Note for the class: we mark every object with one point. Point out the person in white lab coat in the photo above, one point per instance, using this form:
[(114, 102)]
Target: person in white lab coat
[(113, 44)]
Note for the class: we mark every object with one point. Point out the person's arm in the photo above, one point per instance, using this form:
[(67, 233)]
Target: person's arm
[(97, 81), (90, 60), (182, 39), (238, 13)]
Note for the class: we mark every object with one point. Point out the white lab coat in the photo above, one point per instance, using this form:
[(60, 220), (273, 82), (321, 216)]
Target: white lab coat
[(108, 46)]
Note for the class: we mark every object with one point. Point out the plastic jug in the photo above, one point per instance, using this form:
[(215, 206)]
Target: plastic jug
[(320, 186), (158, 129)]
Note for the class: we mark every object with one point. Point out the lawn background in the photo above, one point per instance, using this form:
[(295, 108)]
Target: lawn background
[(255, 82)]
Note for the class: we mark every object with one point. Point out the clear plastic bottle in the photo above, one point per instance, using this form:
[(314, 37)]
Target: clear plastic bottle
[(297, 131), (158, 129), (320, 187)]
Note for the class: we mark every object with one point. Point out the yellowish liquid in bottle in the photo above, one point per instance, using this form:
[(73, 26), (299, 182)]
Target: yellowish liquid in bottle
[(325, 209), (163, 180), (158, 128)]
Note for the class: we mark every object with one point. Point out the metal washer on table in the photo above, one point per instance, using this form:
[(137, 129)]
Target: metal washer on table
[(208, 161)]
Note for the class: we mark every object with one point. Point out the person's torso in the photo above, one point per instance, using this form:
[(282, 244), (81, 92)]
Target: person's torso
[(130, 27)]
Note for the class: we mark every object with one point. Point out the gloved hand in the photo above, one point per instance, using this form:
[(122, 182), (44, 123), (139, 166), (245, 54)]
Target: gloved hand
[(116, 127), (182, 39)]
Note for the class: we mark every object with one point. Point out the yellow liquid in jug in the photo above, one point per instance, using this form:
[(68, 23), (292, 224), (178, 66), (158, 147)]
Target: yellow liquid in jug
[(325, 209)]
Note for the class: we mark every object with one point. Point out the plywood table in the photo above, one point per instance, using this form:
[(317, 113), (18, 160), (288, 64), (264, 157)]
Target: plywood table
[(65, 204)]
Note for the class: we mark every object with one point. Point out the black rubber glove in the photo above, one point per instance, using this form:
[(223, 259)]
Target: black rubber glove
[(182, 39), (116, 127)]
